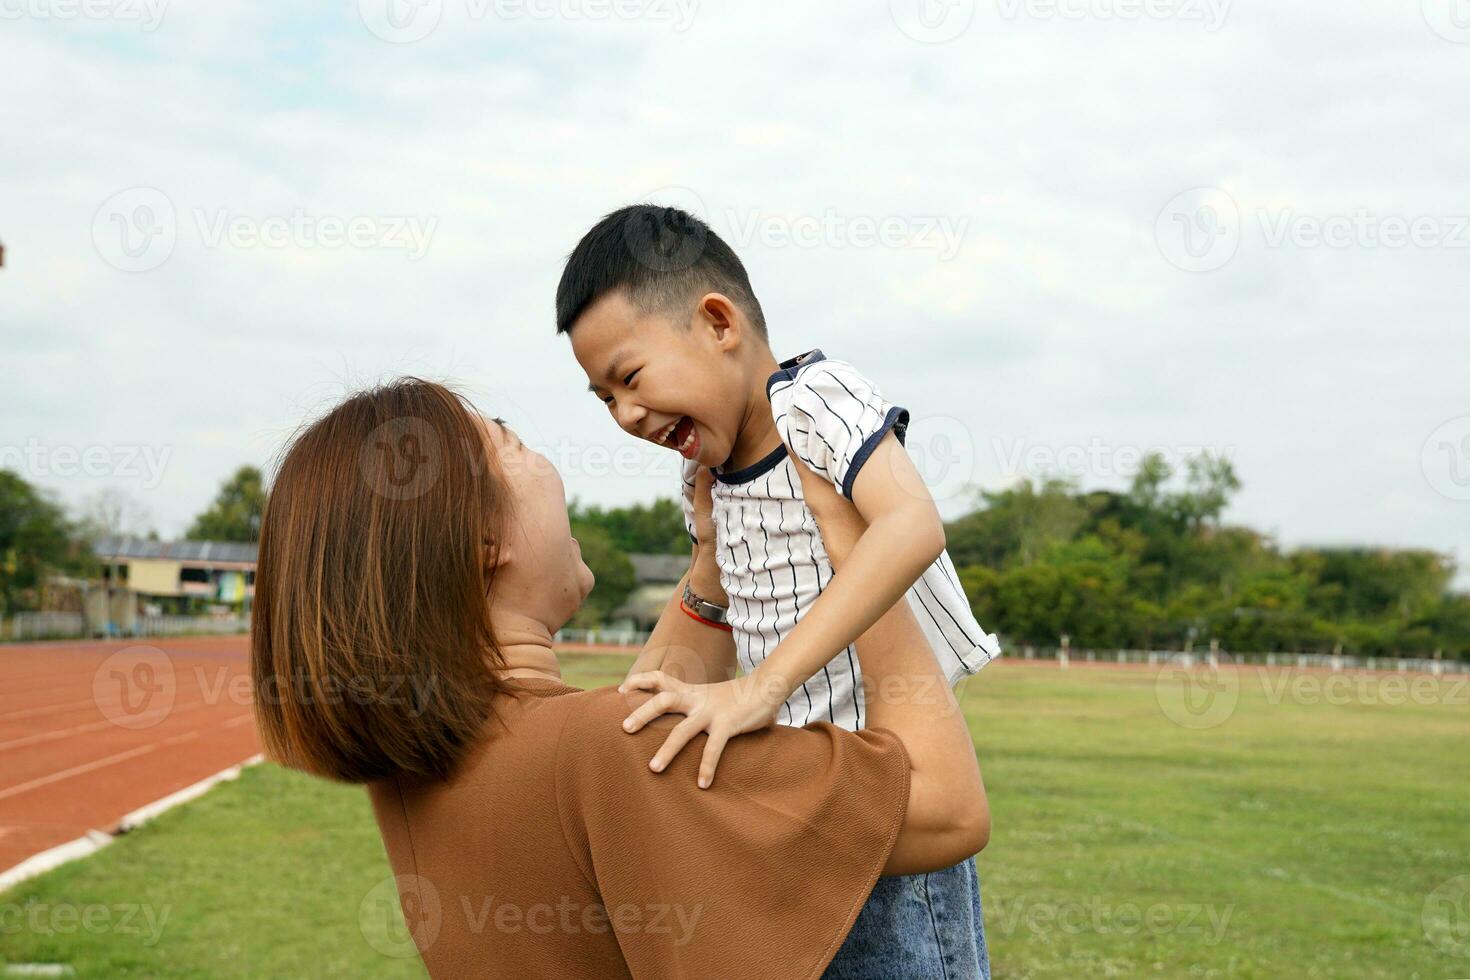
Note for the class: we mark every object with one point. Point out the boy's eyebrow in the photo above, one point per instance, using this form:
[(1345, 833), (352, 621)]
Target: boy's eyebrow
[(612, 370)]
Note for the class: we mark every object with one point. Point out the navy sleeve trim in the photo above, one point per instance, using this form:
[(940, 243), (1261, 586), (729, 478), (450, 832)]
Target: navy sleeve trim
[(791, 367), (897, 419)]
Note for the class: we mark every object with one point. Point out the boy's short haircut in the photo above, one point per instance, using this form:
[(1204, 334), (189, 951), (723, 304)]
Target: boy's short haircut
[(664, 258)]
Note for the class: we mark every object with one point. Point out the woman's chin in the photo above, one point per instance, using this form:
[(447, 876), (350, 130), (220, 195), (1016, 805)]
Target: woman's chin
[(589, 580)]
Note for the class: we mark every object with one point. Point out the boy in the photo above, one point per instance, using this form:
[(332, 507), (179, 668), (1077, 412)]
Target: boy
[(662, 317)]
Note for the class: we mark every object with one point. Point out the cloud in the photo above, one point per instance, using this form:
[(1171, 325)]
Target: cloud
[(1047, 146)]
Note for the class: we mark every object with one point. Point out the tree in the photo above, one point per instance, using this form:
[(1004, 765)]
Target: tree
[(1016, 524), (235, 513), (114, 513), (612, 569), (35, 539), (1211, 481), (1377, 582), (656, 528)]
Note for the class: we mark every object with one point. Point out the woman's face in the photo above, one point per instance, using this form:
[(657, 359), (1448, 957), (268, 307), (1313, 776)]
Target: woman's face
[(543, 570)]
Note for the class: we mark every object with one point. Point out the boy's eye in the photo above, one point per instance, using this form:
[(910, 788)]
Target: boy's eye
[(630, 376)]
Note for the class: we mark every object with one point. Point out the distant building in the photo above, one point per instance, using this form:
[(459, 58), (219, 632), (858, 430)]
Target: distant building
[(656, 576), (213, 571)]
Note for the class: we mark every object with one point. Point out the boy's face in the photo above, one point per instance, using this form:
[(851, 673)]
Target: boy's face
[(680, 389)]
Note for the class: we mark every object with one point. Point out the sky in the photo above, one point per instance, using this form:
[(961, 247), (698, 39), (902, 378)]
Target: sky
[(1062, 233)]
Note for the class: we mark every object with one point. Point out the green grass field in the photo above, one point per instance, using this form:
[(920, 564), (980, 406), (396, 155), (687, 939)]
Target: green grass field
[(1310, 833)]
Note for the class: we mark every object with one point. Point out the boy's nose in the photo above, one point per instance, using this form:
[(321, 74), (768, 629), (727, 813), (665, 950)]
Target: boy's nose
[(629, 415)]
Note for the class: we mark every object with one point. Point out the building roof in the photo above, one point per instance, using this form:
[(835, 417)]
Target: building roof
[(193, 551), (658, 568), (646, 603)]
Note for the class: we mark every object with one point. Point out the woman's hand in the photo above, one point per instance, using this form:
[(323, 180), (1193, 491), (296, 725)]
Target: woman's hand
[(678, 645), (723, 710)]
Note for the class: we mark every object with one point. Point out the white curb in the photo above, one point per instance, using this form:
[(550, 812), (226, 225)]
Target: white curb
[(95, 840)]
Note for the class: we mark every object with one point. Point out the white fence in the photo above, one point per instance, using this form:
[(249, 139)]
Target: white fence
[(599, 637), (54, 625), (42, 626), (179, 625), (70, 626), (1321, 661), (1324, 661)]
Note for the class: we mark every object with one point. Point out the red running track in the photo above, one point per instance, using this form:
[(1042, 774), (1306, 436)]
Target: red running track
[(91, 731)]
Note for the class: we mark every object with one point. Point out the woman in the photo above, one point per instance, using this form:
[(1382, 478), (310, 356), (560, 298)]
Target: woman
[(415, 562)]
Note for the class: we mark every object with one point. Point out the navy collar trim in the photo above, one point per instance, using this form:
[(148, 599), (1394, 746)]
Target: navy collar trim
[(790, 367), (756, 469)]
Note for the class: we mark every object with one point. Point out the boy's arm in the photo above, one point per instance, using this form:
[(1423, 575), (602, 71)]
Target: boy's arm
[(838, 428), (904, 537), (679, 644), (835, 420)]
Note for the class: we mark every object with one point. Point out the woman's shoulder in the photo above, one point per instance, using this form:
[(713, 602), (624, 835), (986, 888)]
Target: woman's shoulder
[(594, 720), (582, 705), (521, 736), (580, 727)]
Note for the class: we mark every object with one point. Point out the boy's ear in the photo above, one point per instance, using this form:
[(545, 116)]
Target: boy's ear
[(717, 313)]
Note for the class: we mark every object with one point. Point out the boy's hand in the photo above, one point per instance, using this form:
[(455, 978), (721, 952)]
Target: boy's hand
[(704, 506), (704, 571), (723, 710)]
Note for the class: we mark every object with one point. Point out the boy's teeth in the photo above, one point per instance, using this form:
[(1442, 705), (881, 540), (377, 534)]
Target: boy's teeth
[(668, 432)]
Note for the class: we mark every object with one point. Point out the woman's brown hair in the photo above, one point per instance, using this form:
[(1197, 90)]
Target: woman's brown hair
[(371, 646)]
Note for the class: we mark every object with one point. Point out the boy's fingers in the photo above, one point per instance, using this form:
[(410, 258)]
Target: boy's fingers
[(678, 738), (713, 749), (704, 480), (659, 704), (649, 680)]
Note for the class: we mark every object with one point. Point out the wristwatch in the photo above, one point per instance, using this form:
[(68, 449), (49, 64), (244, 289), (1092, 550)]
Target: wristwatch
[(703, 607)]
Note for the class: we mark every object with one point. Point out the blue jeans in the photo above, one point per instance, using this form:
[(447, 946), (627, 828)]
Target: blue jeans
[(921, 926)]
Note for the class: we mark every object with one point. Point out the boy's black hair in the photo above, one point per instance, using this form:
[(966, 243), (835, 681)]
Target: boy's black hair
[(663, 257)]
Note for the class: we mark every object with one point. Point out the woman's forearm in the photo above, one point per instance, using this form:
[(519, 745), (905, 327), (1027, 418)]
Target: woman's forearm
[(683, 646), (948, 816), (906, 692)]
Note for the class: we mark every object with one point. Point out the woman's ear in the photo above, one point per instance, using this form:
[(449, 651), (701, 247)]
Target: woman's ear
[(495, 554)]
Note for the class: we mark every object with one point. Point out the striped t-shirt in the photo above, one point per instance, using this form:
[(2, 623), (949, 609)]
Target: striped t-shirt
[(770, 553)]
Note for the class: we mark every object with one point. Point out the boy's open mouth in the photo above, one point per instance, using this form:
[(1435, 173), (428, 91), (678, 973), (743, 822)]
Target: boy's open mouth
[(680, 436)]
